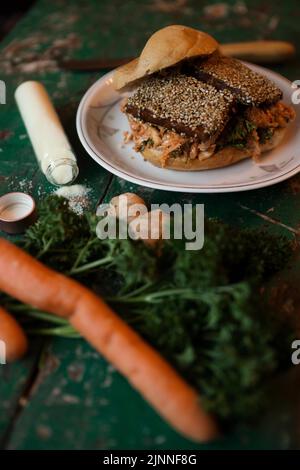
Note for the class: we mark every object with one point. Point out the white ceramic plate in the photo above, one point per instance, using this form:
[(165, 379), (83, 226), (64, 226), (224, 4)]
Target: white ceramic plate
[(100, 126)]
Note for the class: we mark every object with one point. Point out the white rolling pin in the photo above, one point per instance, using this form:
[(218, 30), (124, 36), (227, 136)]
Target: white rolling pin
[(50, 143)]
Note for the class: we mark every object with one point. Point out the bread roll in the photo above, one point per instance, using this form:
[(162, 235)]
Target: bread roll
[(165, 48)]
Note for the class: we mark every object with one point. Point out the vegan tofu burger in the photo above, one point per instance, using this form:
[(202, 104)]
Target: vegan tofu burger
[(194, 109)]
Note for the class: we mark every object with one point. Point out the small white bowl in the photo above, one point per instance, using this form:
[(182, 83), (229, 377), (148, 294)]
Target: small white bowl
[(17, 212)]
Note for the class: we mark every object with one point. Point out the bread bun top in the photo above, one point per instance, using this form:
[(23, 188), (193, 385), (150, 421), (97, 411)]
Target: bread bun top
[(165, 48)]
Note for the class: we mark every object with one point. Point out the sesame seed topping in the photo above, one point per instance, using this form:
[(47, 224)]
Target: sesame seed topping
[(249, 86), (184, 103)]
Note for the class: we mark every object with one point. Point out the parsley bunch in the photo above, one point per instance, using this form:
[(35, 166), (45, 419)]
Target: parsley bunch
[(202, 310)]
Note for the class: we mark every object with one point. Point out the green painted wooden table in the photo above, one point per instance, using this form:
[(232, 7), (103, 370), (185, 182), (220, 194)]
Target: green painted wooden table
[(64, 395)]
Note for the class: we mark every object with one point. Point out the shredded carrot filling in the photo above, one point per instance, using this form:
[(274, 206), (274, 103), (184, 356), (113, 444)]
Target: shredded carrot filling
[(166, 141), (170, 144), (278, 115)]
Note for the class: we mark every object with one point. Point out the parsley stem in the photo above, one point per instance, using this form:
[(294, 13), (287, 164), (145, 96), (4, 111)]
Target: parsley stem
[(46, 317), (38, 314), (188, 294), (82, 252), (138, 290), (64, 331), (149, 298), (92, 265), (45, 248)]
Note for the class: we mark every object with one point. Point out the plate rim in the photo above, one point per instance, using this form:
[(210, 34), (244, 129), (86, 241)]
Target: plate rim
[(99, 158)]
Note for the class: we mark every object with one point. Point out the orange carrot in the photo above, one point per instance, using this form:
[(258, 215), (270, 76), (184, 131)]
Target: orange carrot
[(13, 336), (31, 282)]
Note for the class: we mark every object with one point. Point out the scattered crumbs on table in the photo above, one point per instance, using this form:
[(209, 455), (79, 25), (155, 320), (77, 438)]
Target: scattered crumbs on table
[(56, 392), (216, 11), (25, 185), (108, 378), (111, 368), (76, 372), (41, 191), (77, 195), (159, 440), (129, 187), (44, 432), (23, 402), (240, 8), (78, 351), (62, 83), (70, 399), (167, 6), (107, 382)]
